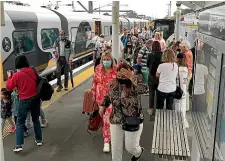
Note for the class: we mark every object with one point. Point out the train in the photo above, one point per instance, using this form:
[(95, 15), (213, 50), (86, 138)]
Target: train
[(165, 25), (32, 31)]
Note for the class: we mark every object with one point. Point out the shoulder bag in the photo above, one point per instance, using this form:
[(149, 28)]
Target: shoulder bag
[(179, 92), (129, 123)]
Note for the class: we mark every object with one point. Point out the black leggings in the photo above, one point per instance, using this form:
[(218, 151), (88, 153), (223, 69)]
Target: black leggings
[(161, 97), (25, 128)]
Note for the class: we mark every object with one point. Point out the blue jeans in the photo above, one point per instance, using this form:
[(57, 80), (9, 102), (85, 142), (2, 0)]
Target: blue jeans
[(32, 105), (28, 120)]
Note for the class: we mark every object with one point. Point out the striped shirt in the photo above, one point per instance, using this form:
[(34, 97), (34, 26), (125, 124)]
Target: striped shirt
[(143, 54)]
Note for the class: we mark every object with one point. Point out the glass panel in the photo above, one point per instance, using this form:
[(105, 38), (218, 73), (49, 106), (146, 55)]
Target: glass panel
[(203, 97), (106, 31), (48, 37), (219, 149), (82, 38), (23, 41)]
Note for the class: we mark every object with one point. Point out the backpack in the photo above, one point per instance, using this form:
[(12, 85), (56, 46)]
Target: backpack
[(44, 88)]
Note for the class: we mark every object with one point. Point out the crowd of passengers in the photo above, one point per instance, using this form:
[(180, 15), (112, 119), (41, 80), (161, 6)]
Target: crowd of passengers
[(117, 87)]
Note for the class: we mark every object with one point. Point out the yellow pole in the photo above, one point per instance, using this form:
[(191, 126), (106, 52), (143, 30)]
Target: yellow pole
[(2, 24), (1, 79)]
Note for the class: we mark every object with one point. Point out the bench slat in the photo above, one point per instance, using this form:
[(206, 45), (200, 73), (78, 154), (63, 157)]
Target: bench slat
[(175, 135), (178, 134), (168, 132), (161, 133), (172, 147), (181, 124), (164, 133), (155, 132), (158, 133)]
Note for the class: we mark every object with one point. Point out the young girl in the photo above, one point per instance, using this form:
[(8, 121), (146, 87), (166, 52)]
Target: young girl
[(6, 107), (183, 74), (15, 104)]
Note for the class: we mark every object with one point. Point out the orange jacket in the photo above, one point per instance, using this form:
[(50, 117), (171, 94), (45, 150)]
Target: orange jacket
[(189, 61)]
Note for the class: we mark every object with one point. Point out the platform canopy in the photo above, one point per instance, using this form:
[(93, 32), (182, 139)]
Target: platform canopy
[(201, 5)]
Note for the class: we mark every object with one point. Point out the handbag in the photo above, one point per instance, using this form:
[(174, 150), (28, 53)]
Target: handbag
[(94, 122), (179, 92), (129, 123)]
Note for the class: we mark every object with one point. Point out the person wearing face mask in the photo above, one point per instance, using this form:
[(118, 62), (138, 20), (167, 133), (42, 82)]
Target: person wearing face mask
[(123, 96), (62, 49), (128, 52), (105, 72)]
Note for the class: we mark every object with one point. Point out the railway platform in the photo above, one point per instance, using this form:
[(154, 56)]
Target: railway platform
[(66, 137)]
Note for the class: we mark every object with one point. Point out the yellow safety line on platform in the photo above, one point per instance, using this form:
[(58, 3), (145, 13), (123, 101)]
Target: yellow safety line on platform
[(80, 78)]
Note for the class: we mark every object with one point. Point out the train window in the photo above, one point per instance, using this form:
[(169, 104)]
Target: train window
[(48, 37), (23, 41), (88, 34), (110, 30), (106, 31)]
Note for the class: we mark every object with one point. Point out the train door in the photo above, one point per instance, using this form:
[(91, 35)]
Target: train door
[(219, 145), (98, 28)]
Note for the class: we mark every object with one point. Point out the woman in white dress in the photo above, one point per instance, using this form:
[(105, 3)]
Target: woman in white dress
[(183, 75)]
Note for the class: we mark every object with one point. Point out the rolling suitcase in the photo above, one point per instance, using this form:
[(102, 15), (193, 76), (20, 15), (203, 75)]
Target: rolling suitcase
[(89, 105)]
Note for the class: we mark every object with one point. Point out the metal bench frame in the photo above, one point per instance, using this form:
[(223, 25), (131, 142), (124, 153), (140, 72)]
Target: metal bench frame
[(170, 136)]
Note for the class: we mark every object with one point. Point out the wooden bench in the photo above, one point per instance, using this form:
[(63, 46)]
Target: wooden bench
[(203, 136), (169, 136)]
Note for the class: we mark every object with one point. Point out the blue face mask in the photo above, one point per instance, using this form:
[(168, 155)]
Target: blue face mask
[(107, 63)]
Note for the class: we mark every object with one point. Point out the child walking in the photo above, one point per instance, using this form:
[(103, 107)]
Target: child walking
[(6, 110), (15, 105)]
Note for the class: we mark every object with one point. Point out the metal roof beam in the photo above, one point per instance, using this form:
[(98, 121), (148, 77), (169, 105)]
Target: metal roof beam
[(83, 6), (104, 11), (201, 5)]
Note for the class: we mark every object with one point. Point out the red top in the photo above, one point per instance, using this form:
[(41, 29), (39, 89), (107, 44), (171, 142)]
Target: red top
[(101, 83), (25, 83)]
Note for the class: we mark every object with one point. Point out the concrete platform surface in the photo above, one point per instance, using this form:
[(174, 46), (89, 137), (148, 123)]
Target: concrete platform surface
[(66, 137)]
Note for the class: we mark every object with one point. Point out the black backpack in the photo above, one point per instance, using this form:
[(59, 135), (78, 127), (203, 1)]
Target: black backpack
[(44, 88)]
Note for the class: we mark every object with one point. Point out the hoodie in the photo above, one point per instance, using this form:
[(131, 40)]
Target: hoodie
[(26, 82)]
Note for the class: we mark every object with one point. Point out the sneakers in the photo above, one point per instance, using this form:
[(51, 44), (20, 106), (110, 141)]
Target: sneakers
[(133, 158), (38, 142), (59, 89), (66, 88), (18, 149), (26, 134), (106, 148), (44, 123), (12, 129)]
